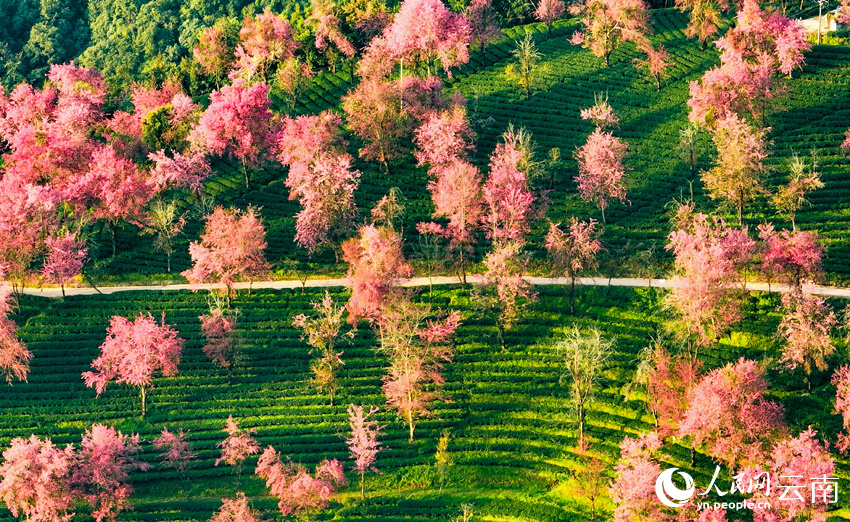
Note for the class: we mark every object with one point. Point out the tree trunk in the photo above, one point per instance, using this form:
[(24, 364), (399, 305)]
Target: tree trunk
[(362, 486), (602, 208), (573, 295), (501, 334), (63, 290), (581, 426), (168, 261), (741, 215), (245, 172), (112, 229), (144, 396), (410, 424)]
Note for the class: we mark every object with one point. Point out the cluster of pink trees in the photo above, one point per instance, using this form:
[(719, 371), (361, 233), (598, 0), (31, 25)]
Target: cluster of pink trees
[(762, 44), (43, 482), (296, 489), (14, 355)]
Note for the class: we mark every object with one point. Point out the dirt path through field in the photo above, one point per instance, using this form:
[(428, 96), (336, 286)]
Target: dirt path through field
[(56, 293)]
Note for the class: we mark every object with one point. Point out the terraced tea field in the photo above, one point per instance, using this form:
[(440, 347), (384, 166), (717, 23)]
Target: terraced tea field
[(513, 434), (814, 115)]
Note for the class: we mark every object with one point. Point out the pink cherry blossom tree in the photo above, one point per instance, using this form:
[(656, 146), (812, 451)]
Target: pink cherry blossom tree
[(235, 510), (297, 490), (797, 463), (729, 414), (548, 11), (237, 446), (669, 381), (790, 198), (376, 267), (179, 170), (215, 48), (237, 123), (232, 245), (14, 355), (218, 327), (655, 63), (457, 196), (841, 380), (444, 137), (601, 169), (806, 323), (573, 251), (704, 17), (507, 194), (101, 470), (374, 112), (363, 442), (322, 332), (320, 176), (609, 23), (483, 23), (633, 489), (265, 40), (505, 266), (601, 113), (36, 480), (176, 451), (135, 351), (794, 256), (705, 294), (416, 348), (66, 256)]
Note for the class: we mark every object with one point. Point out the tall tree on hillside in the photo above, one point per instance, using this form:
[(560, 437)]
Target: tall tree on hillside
[(165, 223), (443, 138), (265, 40), (729, 414), (585, 355), (669, 381), (705, 293), (573, 251), (322, 332), (609, 23), (656, 63), (14, 356), (374, 112), (102, 470), (135, 351), (841, 380), (219, 329), (526, 70), (505, 266), (741, 151), (704, 18), (237, 123), (320, 176), (633, 488), (363, 442), (807, 321), (329, 35), (601, 169), (548, 11), (66, 256), (794, 256), (457, 196), (483, 23), (36, 480), (232, 245), (237, 446), (416, 348), (376, 267), (790, 198)]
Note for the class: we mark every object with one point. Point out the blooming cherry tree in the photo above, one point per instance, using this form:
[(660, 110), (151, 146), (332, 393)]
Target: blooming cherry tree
[(36, 480), (841, 380), (483, 23), (548, 11), (134, 351), (14, 355), (297, 490), (609, 23), (805, 326), (573, 251), (176, 451), (237, 446), (794, 256), (236, 123), (669, 382), (633, 489), (222, 346), (233, 244), (102, 470), (729, 414), (376, 267), (363, 442), (65, 258), (235, 510), (601, 170)]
